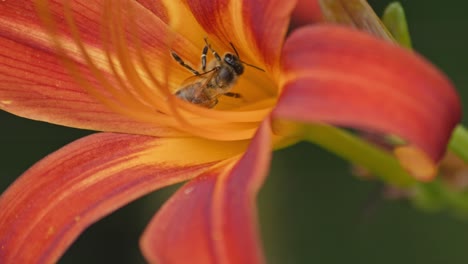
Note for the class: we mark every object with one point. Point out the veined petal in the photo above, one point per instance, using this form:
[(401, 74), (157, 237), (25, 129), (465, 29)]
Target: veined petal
[(107, 67), (212, 219), (256, 27), (235, 215), (44, 211), (225, 22), (349, 78), (155, 7), (88, 66), (34, 84)]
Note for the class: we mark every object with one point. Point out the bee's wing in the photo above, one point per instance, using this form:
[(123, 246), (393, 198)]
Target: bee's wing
[(199, 82)]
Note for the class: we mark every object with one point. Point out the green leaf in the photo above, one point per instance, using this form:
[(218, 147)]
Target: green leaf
[(459, 142), (395, 20)]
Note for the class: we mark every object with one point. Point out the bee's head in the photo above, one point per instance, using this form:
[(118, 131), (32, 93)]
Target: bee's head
[(233, 61)]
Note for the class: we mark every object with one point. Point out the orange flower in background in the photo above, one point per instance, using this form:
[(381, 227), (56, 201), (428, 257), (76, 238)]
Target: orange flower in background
[(107, 66)]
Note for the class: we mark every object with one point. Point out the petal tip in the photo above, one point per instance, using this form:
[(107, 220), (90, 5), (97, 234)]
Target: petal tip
[(416, 162)]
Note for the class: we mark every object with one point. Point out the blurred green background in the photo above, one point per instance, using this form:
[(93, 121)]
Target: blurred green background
[(312, 210)]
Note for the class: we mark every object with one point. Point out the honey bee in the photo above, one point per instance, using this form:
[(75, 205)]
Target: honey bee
[(204, 88)]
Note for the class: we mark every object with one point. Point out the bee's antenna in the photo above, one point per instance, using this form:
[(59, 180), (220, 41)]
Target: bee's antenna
[(237, 54), (235, 50), (253, 66)]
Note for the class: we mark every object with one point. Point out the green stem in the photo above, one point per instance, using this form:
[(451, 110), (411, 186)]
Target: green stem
[(360, 152), (459, 142)]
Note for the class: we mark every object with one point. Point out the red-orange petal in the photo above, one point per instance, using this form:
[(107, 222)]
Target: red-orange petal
[(306, 12), (212, 219), (34, 84), (105, 93), (345, 77), (44, 211), (254, 25)]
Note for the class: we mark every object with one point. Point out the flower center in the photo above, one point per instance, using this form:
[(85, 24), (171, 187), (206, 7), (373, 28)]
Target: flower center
[(226, 92), (205, 87), (141, 66)]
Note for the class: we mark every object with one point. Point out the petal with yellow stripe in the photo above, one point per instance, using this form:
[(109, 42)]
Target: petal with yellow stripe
[(55, 200), (212, 219)]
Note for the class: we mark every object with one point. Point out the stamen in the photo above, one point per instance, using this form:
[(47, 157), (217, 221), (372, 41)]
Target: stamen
[(127, 92), (160, 95), (117, 100), (108, 20), (138, 88), (50, 25)]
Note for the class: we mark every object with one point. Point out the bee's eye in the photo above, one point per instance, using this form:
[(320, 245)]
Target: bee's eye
[(228, 58), (239, 68)]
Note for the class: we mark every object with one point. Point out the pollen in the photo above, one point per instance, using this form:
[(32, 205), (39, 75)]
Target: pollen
[(50, 231), (189, 190)]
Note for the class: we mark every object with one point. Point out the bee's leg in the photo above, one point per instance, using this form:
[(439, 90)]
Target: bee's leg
[(203, 58), (233, 95), (181, 62), (213, 103), (215, 54)]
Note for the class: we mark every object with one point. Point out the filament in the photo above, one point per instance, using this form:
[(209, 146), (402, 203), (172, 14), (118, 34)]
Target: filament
[(126, 82)]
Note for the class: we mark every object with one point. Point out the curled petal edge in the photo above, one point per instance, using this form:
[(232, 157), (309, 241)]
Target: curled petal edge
[(212, 219), (349, 78)]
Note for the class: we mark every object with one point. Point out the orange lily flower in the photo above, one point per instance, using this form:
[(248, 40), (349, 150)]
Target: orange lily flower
[(107, 66)]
